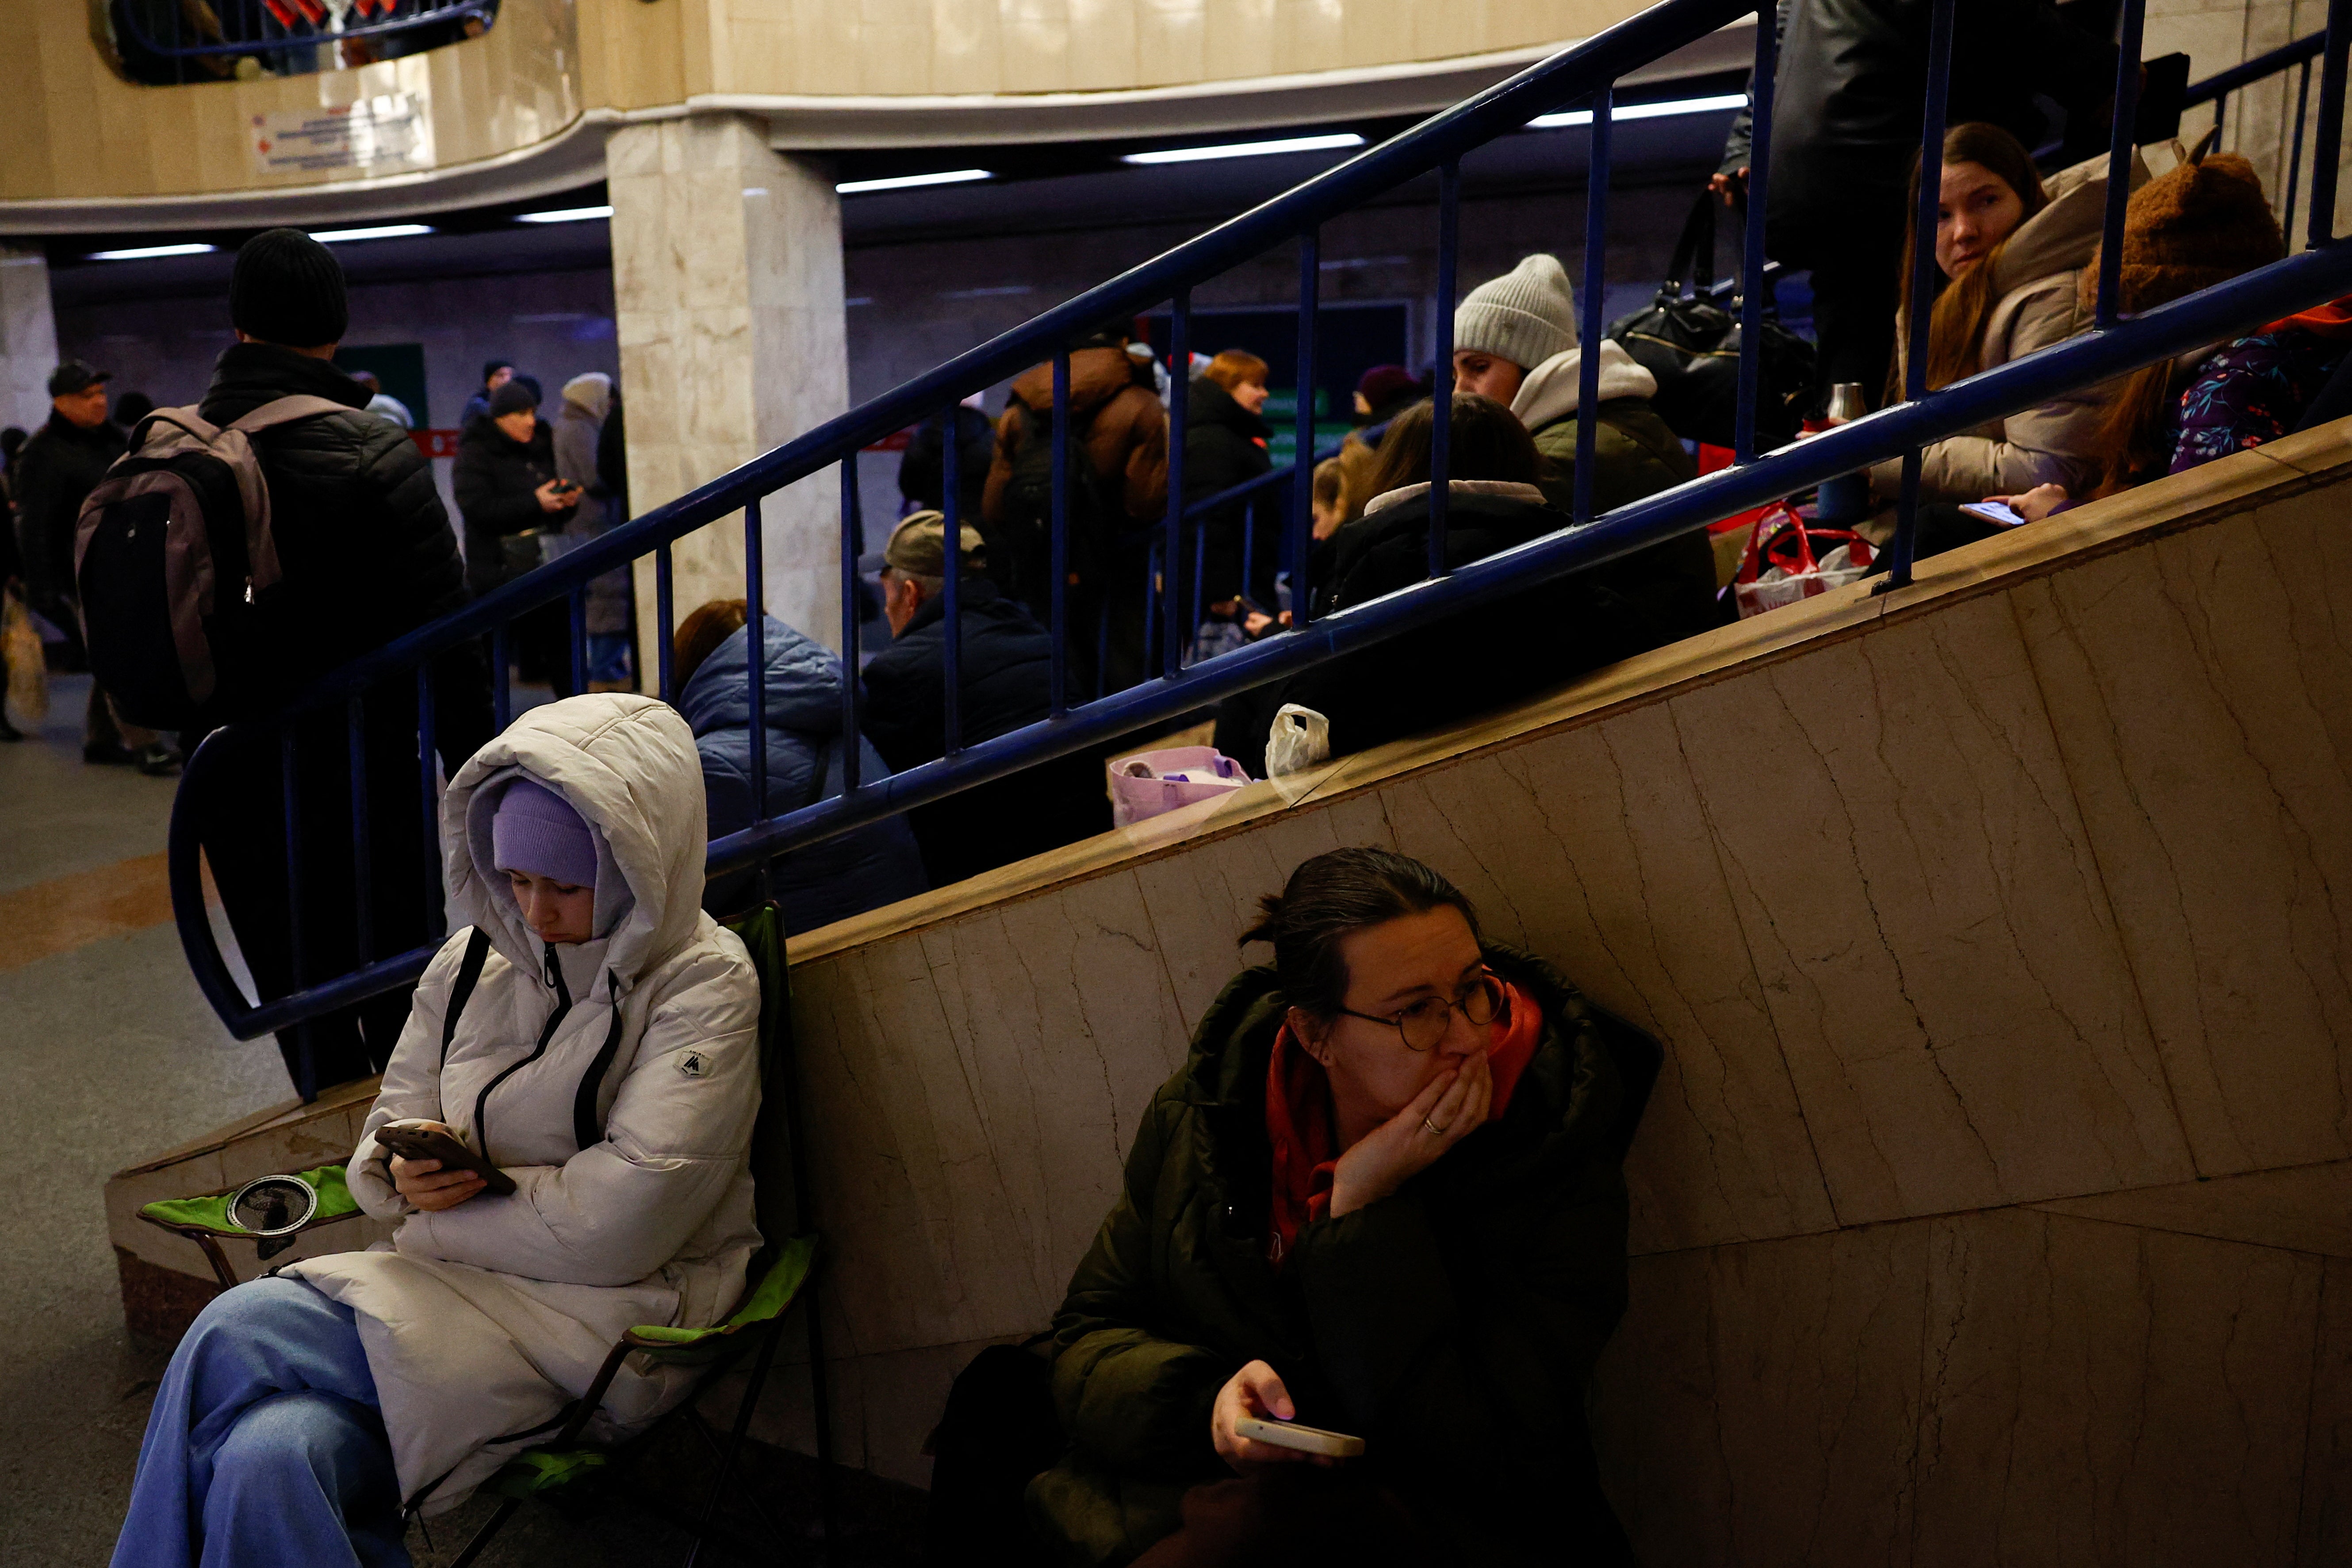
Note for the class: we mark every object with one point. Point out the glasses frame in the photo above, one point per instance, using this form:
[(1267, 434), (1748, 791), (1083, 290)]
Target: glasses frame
[(1487, 979)]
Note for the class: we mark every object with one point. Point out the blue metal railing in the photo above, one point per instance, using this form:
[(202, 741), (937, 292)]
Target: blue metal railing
[(1581, 75), (283, 35)]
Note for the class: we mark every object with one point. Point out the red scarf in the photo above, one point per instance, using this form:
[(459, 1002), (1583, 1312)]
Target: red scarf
[(1298, 1117)]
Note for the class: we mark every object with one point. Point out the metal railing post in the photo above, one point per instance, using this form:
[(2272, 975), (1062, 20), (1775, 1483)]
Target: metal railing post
[(952, 590), (2294, 156), (2120, 151), (1298, 539), (362, 866), (502, 662), (1058, 537), (2327, 141), (576, 615), (305, 1067), (1180, 396), (437, 916), (755, 641), (1441, 427), (1596, 280), (1923, 279), (851, 726), (1752, 287), (666, 623)]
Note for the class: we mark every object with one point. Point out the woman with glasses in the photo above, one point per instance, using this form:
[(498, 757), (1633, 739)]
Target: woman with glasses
[(1383, 1198)]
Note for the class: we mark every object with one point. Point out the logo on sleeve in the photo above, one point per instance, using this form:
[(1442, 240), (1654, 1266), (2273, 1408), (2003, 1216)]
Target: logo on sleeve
[(694, 1064)]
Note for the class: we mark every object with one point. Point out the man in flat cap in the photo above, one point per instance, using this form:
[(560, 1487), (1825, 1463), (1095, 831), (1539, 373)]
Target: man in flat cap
[(1006, 660), (367, 555), (60, 466)]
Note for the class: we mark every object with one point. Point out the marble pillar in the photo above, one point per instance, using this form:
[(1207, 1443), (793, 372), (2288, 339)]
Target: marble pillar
[(728, 298), (29, 337), (2259, 122)]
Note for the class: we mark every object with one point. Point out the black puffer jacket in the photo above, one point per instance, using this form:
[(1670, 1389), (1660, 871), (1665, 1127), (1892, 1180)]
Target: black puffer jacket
[(496, 479), (55, 474), (1497, 654), (361, 536), (1848, 95), (1224, 446), (1007, 661)]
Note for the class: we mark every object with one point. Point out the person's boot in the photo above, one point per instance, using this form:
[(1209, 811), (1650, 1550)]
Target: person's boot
[(157, 761)]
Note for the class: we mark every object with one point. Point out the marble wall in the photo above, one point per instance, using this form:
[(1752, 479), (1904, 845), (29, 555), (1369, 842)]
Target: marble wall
[(29, 337), (727, 298), (1991, 1206)]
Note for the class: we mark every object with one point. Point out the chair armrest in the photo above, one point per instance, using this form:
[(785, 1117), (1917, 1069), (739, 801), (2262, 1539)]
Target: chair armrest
[(763, 1303), (209, 1214)]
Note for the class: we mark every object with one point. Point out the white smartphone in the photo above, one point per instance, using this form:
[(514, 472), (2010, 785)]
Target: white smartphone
[(1993, 511), (1306, 1439)]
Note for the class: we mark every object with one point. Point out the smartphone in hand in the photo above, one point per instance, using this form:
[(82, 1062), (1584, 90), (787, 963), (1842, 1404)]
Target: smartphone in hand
[(1993, 511), (421, 1141), (1305, 1439)]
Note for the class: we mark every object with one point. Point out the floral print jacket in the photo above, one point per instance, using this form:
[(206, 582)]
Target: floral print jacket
[(2251, 391)]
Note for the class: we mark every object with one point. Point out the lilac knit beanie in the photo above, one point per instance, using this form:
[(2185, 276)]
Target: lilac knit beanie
[(535, 830)]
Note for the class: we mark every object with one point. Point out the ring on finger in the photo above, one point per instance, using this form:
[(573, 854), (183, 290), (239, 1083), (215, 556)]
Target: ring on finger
[(1433, 1128)]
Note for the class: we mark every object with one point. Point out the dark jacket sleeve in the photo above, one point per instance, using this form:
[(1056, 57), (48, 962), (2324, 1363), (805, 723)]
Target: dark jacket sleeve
[(1739, 144), (488, 499), (904, 715), (1130, 1399)]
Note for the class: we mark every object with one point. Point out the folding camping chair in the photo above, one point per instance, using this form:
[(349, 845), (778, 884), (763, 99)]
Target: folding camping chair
[(778, 1274)]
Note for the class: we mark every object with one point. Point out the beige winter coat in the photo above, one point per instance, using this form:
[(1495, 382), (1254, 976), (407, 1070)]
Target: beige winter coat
[(625, 1117), (2034, 305)]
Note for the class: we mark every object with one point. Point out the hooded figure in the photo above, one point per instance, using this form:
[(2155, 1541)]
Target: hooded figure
[(835, 877), (615, 1079)]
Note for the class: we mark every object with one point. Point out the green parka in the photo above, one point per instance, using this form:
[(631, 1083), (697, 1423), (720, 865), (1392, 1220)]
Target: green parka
[(1452, 1326)]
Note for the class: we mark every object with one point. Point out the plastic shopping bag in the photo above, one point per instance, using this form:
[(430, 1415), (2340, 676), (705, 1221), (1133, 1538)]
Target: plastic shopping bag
[(1300, 738), (1789, 558), (28, 667), (1151, 783)]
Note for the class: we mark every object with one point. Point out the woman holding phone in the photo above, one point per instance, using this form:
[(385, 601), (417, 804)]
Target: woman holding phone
[(1383, 1198), (592, 1035)]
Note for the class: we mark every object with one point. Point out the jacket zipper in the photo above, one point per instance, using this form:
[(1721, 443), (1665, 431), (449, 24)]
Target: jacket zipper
[(553, 972)]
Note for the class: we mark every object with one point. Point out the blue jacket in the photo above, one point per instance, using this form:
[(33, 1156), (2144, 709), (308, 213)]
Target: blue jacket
[(831, 880)]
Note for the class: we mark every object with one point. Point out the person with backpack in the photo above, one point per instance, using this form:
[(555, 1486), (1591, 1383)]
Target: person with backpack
[(365, 555), (589, 1033), (58, 467), (1117, 486)]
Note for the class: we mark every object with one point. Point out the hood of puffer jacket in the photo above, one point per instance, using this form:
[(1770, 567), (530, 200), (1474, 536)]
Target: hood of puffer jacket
[(628, 767), (2063, 235), (803, 685), (1096, 375), (1548, 394)]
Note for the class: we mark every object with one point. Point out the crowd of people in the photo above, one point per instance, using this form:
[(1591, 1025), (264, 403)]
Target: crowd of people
[(1383, 1193)]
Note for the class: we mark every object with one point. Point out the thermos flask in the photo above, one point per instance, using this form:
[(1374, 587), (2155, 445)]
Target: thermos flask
[(1846, 500)]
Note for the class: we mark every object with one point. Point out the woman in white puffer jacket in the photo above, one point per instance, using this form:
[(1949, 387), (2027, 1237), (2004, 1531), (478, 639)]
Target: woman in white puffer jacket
[(606, 1060)]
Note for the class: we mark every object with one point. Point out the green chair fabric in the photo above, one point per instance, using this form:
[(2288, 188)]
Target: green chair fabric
[(211, 1214)]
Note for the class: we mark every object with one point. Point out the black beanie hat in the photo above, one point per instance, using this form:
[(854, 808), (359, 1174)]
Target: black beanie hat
[(287, 289), (514, 397)]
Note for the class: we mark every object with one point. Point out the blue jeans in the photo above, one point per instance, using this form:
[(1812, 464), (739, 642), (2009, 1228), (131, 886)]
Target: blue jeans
[(265, 1445)]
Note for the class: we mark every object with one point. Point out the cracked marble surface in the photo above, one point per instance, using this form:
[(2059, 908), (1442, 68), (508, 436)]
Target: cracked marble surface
[(1982, 927)]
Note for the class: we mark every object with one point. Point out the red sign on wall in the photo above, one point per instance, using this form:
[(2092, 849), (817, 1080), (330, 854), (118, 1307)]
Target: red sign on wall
[(435, 442)]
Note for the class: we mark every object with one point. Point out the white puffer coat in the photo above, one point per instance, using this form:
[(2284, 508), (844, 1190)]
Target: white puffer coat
[(616, 1081)]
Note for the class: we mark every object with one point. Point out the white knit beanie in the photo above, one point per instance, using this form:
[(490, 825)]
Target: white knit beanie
[(1526, 316)]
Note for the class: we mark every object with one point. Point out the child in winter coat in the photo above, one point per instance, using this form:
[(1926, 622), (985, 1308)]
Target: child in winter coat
[(606, 1060)]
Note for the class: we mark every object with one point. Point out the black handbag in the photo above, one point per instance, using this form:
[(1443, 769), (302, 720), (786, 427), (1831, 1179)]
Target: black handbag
[(1691, 345)]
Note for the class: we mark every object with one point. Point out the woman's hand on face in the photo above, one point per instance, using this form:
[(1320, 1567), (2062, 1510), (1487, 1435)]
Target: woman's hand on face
[(1255, 1390), (426, 1184), (1449, 1107)]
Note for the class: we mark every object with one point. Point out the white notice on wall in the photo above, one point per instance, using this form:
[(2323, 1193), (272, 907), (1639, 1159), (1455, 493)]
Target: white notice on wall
[(389, 131)]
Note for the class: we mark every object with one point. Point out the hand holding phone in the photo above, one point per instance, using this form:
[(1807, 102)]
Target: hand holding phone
[(1305, 1439), (418, 1139), (1993, 511)]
